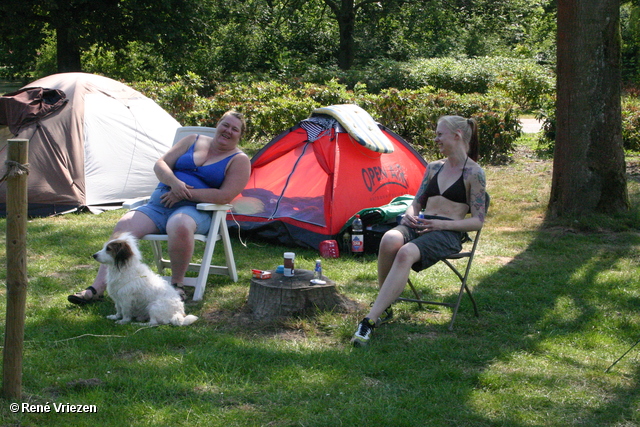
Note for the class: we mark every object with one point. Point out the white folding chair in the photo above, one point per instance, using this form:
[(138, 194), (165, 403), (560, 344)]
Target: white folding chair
[(217, 231)]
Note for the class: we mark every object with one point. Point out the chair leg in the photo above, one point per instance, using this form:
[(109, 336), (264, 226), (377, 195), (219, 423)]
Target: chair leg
[(454, 306), (415, 292), (209, 247), (463, 288), (156, 247), (228, 250)]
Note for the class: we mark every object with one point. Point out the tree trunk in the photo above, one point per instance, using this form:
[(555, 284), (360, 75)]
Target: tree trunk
[(345, 13), (589, 165), (281, 296), (67, 50)]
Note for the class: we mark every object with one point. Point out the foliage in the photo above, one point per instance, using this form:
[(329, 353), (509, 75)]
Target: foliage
[(630, 126), (80, 25), (137, 61), (272, 107), (414, 116), (215, 39), (630, 42), (523, 80)]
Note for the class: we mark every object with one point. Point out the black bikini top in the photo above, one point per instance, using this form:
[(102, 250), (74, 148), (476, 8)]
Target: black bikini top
[(456, 192)]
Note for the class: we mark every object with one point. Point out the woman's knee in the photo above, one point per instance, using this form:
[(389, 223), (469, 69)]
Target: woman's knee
[(181, 225), (408, 254), (391, 241), (136, 223)]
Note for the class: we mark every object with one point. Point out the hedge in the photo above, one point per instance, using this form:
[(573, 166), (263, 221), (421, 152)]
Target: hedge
[(272, 107)]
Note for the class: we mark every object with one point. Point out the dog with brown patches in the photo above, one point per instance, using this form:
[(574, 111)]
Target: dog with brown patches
[(137, 291)]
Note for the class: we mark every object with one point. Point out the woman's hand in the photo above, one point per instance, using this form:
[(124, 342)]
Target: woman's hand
[(409, 221), (427, 225), (176, 194)]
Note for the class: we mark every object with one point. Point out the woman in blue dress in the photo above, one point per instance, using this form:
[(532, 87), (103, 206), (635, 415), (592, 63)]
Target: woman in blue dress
[(196, 169)]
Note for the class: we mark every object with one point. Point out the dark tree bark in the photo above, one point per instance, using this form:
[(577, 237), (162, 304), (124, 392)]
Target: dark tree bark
[(589, 165), (67, 51), (345, 13)]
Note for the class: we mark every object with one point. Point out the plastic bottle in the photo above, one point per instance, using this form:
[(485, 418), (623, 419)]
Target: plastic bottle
[(357, 236)]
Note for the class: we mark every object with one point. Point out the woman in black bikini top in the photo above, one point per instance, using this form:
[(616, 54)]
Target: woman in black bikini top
[(456, 192), (418, 243)]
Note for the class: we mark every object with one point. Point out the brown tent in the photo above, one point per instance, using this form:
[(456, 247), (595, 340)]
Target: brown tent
[(92, 141)]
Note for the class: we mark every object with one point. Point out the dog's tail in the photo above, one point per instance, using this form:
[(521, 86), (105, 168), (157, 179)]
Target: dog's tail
[(180, 320)]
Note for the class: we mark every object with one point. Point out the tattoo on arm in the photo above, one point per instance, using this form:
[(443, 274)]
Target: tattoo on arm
[(478, 198), (423, 184)]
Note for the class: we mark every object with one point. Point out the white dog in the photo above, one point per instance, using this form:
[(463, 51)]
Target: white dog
[(138, 292)]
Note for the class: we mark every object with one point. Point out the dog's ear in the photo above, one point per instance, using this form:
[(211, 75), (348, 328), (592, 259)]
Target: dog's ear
[(121, 253)]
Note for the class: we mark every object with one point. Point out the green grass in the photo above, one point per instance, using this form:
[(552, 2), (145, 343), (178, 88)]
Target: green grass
[(558, 305), (7, 86)]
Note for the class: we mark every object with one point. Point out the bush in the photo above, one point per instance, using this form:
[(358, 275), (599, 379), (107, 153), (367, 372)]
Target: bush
[(414, 116), (179, 98), (272, 107), (630, 126), (457, 75), (631, 123), (524, 81)]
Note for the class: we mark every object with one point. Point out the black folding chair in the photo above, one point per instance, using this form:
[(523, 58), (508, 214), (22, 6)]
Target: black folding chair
[(463, 277)]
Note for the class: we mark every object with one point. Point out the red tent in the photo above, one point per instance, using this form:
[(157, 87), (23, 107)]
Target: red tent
[(309, 180)]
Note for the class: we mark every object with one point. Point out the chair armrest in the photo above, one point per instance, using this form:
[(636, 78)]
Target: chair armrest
[(213, 207), (134, 203)]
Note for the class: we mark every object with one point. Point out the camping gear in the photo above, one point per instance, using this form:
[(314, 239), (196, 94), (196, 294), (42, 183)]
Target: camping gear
[(329, 249), (309, 180), (378, 220), (383, 214), (93, 141)]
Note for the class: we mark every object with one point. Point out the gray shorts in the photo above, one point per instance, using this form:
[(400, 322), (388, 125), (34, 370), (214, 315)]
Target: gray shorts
[(433, 245), (160, 214)]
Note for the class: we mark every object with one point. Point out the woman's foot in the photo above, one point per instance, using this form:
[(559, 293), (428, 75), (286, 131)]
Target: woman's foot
[(180, 288), (87, 296)]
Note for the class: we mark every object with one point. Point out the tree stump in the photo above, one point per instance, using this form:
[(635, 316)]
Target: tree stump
[(282, 296)]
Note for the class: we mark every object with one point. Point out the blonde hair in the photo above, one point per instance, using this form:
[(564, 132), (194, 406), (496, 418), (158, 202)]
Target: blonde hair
[(237, 115), (469, 129)]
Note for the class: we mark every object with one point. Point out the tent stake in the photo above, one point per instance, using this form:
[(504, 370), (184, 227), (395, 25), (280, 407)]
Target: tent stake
[(620, 358)]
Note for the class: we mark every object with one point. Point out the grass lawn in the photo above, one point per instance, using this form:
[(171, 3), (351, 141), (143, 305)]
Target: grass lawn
[(558, 305), (7, 86)]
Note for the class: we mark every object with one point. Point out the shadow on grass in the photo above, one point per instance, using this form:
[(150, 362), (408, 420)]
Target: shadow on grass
[(558, 314)]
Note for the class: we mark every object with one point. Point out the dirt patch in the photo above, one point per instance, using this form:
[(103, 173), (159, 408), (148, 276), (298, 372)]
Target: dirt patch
[(243, 322)]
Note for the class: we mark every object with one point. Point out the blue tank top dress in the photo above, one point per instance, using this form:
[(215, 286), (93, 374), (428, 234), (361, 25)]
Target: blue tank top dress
[(185, 169)]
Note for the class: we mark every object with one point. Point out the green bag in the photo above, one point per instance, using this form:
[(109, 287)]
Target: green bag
[(382, 214)]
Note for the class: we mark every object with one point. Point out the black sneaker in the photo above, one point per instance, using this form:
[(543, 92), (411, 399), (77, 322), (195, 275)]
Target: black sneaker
[(386, 316), (362, 335)]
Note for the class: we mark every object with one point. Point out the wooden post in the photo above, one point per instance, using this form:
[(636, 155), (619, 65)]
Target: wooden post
[(16, 267)]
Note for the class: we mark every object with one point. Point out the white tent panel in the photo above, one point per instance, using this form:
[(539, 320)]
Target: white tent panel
[(116, 171)]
